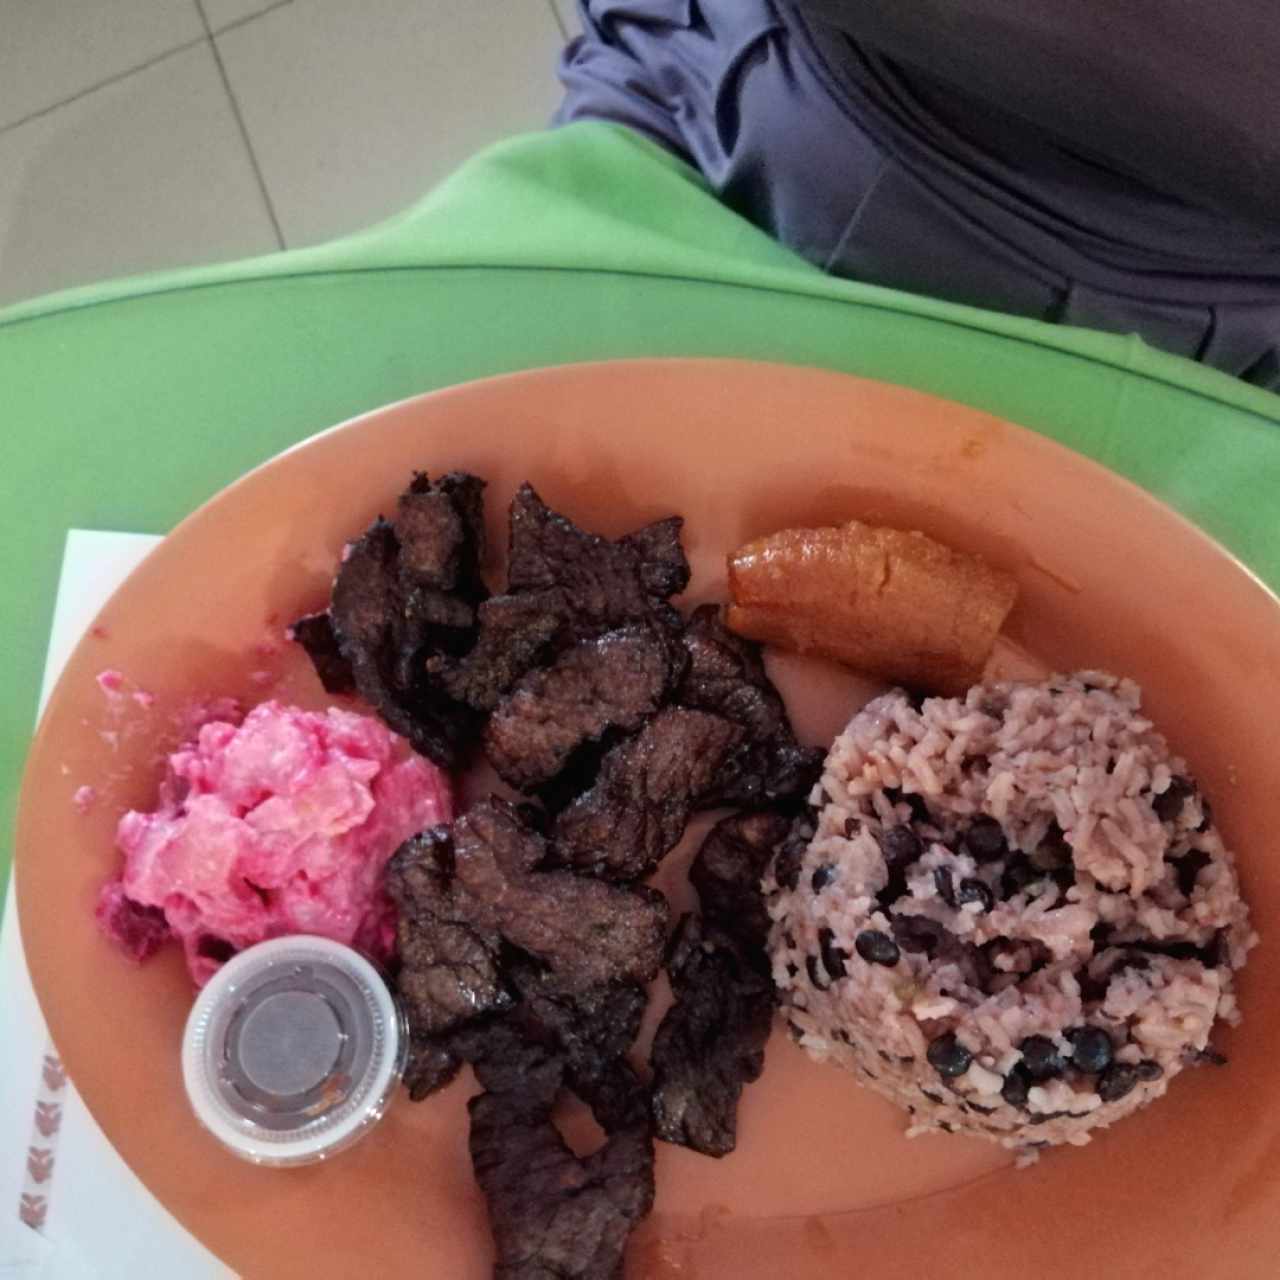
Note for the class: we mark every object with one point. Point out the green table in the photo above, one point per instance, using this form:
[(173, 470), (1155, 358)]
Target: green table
[(126, 405)]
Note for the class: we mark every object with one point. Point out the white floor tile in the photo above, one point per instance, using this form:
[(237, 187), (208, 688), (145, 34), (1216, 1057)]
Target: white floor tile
[(569, 20), (221, 13), (149, 172), (53, 49), (355, 110)]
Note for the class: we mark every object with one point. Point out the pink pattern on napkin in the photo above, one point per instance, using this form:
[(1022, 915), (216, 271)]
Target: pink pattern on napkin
[(33, 1200)]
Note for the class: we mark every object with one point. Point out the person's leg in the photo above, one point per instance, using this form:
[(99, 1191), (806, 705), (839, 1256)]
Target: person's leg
[(749, 101), (719, 83), (620, 68)]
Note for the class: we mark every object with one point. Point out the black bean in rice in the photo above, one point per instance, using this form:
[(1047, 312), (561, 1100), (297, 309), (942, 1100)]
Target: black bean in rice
[(1015, 905)]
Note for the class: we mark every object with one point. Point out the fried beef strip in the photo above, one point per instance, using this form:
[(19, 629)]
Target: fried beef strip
[(647, 786), (450, 946), (726, 675), (605, 584), (593, 1031), (366, 611), (470, 896), (514, 634), (441, 531), (711, 1041), (433, 1063), (663, 567), (585, 931), (315, 634), (566, 585), (555, 1215), (403, 602), (727, 871), (613, 682), (511, 958), (409, 626)]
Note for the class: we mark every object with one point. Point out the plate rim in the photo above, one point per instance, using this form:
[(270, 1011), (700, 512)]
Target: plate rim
[(1047, 446)]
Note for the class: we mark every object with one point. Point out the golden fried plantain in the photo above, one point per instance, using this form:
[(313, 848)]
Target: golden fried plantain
[(897, 605)]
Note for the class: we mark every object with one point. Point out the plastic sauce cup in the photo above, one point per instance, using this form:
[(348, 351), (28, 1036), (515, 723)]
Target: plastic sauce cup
[(293, 1051)]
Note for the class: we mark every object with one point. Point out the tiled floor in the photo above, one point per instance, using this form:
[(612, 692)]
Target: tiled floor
[(143, 134)]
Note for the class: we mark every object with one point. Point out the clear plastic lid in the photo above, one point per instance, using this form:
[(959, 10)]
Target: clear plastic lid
[(293, 1051)]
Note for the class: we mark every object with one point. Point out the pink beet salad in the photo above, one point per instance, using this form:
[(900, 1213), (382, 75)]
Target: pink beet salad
[(280, 824)]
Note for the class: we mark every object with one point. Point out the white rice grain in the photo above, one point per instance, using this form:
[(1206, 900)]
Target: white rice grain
[(1072, 772)]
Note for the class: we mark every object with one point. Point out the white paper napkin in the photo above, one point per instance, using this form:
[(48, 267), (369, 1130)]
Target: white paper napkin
[(87, 1217)]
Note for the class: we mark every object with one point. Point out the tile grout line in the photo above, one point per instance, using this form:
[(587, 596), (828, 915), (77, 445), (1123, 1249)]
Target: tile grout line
[(142, 66), (555, 13), (102, 84), (240, 124), (237, 23)]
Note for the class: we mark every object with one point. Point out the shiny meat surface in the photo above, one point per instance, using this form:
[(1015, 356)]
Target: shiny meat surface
[(611, 683), (637, 809), (726, 675), (555, 1215), (469, 895), (606, 583), (710, 1044)]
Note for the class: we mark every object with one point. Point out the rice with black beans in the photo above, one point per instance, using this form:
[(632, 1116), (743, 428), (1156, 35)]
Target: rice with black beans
[(1014, 916)]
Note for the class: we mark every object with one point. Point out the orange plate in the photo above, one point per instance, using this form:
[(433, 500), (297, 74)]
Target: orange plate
[(823, 1181)]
